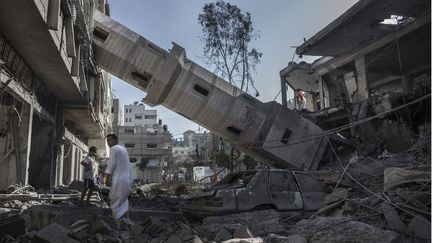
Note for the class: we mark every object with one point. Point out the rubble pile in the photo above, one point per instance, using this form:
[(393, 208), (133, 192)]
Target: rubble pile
[(260, 223), (20, 197), (101, 228), (339, 229), (166, 196), (381, 194)]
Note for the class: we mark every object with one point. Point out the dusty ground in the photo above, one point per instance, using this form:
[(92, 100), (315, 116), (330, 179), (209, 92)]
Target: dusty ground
[(381, 197)]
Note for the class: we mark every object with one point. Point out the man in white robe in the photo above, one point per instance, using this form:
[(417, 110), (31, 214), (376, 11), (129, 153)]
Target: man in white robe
[(119, 176)]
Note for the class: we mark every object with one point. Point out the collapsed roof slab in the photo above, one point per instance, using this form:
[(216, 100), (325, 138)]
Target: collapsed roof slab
[(364, 23), (300, 76)]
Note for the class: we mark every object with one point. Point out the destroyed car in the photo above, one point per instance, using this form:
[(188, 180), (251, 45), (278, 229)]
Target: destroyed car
[(281, 190)]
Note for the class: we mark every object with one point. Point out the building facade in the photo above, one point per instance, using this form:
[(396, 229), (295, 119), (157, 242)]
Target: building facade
[(147, 141), (137, 115), (54, 100)]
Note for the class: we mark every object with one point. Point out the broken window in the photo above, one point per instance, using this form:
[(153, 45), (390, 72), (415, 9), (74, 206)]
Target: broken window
[(282, 181), (308, 183), (138, 117), (100, 34), (129, 130), (150, 117), (129, 145), (201, 90), (234, 131), (151, 145), (142, 78), (286, 136), (235, 179)]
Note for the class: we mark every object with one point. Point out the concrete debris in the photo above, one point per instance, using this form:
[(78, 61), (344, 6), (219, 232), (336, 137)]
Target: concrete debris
[(274, 238), (13, 226), (397, 136), (296, 239), (152, 226), (259, 222), (419, 228), (193, 239), (100, 226), (53, 233), (8, 239), (399, 176), (336, 196), (79, 225), (411, 199), (334, 230), (393, 220), (395, 206), (250, 240), (222, 235), (242, 232)]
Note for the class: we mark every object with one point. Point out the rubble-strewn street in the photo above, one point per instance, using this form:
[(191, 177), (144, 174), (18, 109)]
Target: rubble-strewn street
[(381, 198), (345, 156)]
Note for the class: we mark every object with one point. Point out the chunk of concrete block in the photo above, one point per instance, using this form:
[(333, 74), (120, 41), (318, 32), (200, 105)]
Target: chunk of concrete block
[(249, 240), (222, 235), (193, 239), (259, 222), (420, 228), (335, 230), (395, 176), (274, 238), (82, 235), (79, 226), (242, 232), (296, 239), (393, 220), (8, 239), (53, 233), (125, 235), (141, 238), (174, 239), (412, 200), (152, 225), (100, 226)]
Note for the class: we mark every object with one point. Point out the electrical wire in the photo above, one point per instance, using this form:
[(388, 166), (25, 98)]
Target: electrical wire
[(371, 192), (310, 137)]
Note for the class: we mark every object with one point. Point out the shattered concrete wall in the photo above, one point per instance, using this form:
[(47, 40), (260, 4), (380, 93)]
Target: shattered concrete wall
[(14, 130)]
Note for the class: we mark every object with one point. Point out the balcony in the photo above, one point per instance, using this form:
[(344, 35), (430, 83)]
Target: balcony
[(24, 24)]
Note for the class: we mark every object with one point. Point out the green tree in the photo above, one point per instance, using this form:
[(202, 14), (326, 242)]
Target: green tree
[(227, 33)]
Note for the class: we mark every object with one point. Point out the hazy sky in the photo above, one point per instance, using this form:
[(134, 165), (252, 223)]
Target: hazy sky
[(282, 25)]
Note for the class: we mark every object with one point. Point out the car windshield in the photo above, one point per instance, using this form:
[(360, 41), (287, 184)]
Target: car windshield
[(237, 179)]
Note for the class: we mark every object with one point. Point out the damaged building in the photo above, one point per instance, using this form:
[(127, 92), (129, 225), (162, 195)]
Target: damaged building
[(352, 160), (54, 101), (147, 141), (374, 60)]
